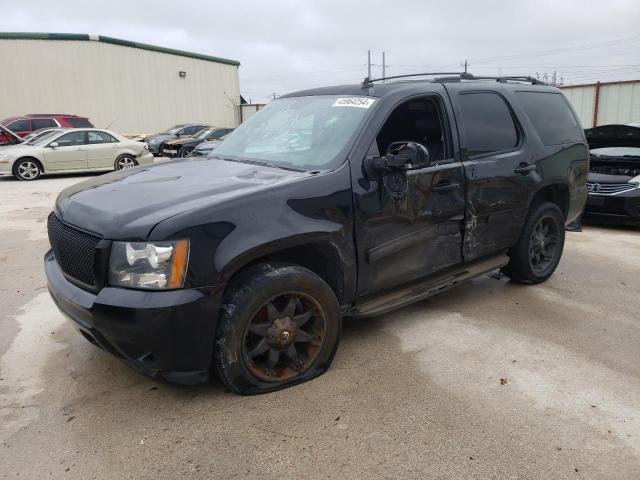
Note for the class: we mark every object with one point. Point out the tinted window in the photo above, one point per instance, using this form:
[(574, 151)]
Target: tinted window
[(99, 137), (191, 130), (38, 123), (19, 126), (551, 117), (488, 124), (219, 133), (71, 139), (79, 122)]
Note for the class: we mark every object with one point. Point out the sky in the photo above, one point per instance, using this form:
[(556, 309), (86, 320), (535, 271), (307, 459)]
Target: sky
[(287, 45)]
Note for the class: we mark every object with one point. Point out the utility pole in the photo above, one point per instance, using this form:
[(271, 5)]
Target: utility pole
[(369, 64), (383, 66)]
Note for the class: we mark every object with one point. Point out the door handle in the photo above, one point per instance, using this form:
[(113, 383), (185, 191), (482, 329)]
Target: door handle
[(446, 186), (524, 168)]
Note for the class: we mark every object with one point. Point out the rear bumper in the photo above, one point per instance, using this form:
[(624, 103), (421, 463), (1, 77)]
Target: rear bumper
[(622, 207), (167, 335)]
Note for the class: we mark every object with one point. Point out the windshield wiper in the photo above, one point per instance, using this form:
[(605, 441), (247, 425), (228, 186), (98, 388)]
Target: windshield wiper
[(257, 162)]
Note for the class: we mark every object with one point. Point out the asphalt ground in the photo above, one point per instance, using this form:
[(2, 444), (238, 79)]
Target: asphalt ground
[(487, 380)]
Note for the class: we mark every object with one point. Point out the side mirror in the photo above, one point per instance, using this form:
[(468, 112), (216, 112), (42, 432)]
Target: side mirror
[(53, 145), (399, 156)]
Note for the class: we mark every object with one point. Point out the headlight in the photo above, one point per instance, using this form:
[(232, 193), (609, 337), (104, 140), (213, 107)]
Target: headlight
[(153, 266)]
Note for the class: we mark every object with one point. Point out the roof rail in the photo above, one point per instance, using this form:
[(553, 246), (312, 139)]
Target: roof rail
[(367, 82), (501, 79)]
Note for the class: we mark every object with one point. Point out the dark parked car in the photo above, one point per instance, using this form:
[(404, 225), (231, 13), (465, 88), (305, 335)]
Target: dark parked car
[(205, 148), (25, 124), (339, 201), (182, 147), (156, 142), (614, 177)]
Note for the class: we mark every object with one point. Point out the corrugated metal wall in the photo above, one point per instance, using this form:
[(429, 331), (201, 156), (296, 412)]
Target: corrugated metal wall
[(617, 102), (134, 90)]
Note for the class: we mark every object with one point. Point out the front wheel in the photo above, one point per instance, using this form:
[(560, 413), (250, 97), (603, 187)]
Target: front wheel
[(279, 326), (185, 152), (27, 169), (537, 254), (125, 161)]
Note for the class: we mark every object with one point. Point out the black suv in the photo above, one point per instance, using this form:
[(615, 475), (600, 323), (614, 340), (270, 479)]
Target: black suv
[(339, 201)]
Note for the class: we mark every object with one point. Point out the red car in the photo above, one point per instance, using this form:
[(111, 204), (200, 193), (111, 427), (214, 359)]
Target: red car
[(25, 124)]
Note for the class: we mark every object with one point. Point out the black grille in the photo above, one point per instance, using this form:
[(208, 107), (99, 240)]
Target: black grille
[(74, 250)]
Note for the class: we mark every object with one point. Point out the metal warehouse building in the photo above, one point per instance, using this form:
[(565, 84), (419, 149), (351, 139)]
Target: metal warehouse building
[(605, 103), (131, 87)]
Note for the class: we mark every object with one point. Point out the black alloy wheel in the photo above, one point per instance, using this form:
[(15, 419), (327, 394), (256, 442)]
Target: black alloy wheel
[(284, 336)]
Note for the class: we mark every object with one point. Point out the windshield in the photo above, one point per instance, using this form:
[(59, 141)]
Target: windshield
[(43, 137), (299, 132), (616, 152), (200, 134), (172, 131)]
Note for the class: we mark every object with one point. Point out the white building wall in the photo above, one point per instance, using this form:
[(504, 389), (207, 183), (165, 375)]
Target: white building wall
[(582, 100), (133, 90), (617, 102)]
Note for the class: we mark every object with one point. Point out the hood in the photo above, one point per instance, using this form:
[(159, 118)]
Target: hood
[(183, 141), (128, 204), (158, 138), (11, 137), (21, 147), (613, 136)]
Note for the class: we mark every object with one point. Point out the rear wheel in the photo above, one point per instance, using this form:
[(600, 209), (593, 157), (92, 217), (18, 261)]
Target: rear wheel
[(125, 161), (27, 169), (279, 326), (538, 251)]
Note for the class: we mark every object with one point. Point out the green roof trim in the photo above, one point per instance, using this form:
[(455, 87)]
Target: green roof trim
[(113, 41)]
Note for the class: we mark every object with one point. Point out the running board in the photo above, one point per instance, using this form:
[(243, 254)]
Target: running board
[(415, 292)]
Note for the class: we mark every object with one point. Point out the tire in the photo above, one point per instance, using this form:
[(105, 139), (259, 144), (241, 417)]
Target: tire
[(185, 152), (27, 169), (125, 161), (252, 354), (538, 251)]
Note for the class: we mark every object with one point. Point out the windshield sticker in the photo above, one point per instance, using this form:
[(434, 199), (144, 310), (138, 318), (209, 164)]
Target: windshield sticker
[(359, 102)]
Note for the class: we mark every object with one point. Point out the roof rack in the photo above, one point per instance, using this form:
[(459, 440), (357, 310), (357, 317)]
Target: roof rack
[(501, 79), (457, 77), (368, 81)]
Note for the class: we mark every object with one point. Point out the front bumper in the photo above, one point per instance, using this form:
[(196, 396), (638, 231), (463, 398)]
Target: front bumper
[(170, 152), (622, 207), (167, 335)]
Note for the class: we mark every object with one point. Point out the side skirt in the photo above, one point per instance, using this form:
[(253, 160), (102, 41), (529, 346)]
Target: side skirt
[(414, 292)]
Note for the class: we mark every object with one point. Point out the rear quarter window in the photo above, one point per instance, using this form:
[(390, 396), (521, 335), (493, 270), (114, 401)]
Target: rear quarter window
[(79, 122), (551, 117)]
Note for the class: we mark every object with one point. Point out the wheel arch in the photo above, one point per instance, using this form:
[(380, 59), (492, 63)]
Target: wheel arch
[(28, 157), (557, 193), (319, 256)]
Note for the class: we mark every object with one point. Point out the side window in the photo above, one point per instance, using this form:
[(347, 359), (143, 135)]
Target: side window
[(551, 117), (78, 122), (71, 139), (418, 120), (38, 123), (488, 124), (219, 134), (19, 126), (94, 137)]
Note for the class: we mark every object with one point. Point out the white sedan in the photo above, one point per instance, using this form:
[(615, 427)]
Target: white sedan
[(72, 150)]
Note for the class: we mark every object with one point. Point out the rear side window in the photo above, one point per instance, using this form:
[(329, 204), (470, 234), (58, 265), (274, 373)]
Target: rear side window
[(488, 124), (95, 137), (78, 122), (551, 117), (19, 126), (38, 123)]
